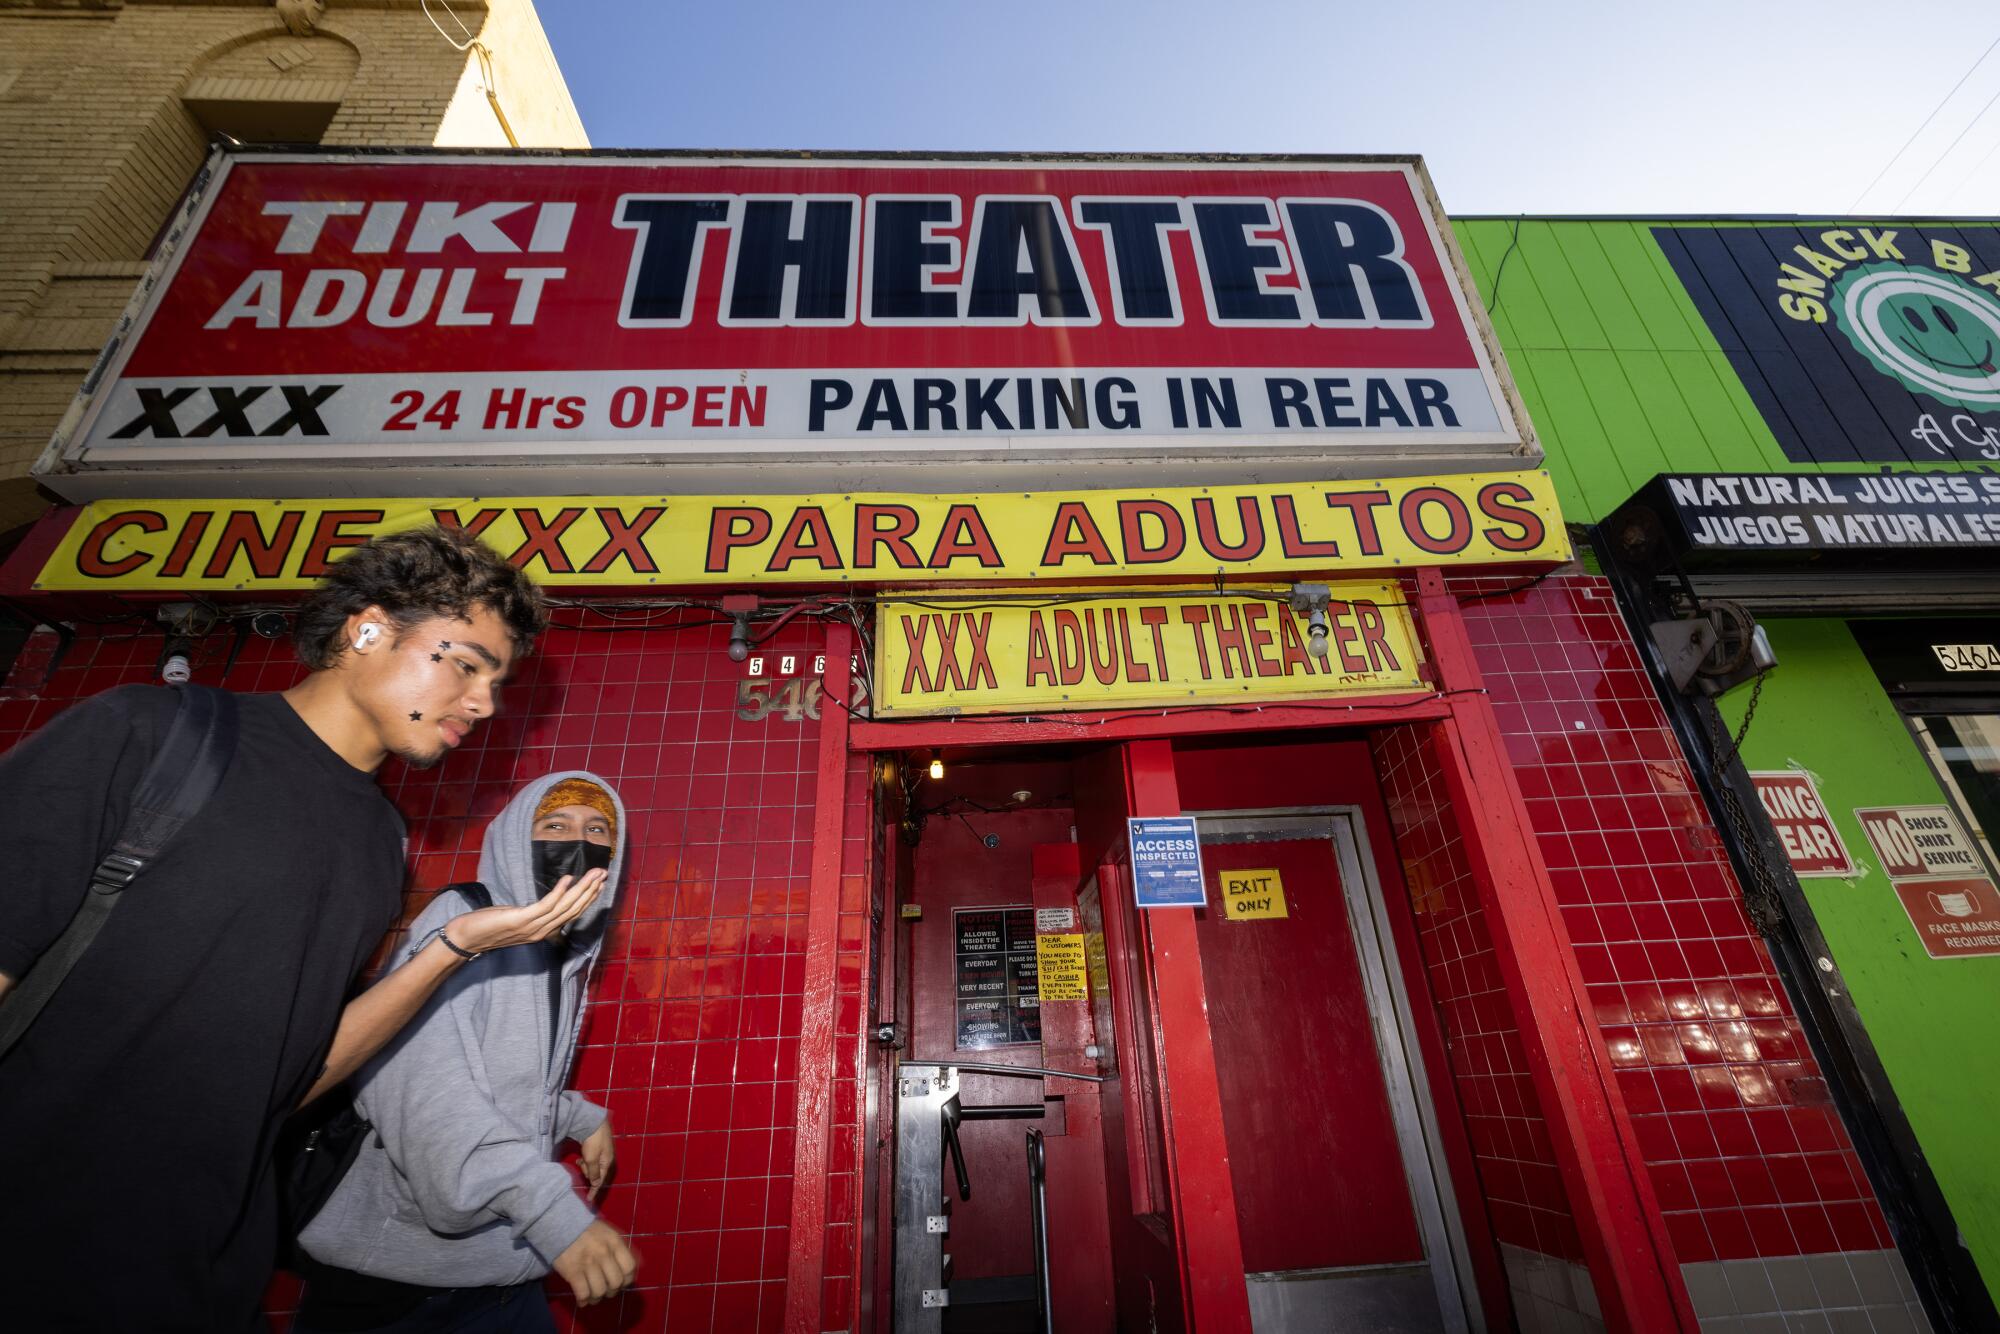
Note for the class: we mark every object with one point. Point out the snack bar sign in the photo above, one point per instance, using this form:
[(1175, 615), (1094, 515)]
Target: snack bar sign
[(451, 308)]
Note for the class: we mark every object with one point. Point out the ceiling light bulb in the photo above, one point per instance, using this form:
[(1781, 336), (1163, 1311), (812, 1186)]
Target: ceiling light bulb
[(937, 765), (1316, 632), (1021, 794)]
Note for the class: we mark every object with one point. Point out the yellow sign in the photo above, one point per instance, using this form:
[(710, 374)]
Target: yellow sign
[(1249, 895), (1131, 647), (1059, 967), (623, 541)]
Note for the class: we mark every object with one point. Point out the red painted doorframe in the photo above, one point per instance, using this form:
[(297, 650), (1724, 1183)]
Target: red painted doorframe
[(1204, 1194), (1618, 1218)]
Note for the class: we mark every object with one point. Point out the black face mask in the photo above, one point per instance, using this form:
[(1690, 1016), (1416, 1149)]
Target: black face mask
[(555, 860)]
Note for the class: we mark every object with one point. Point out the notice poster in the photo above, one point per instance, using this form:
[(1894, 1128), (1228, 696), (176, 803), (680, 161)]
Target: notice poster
[(1060, 958), (1249, 896), (997, 976), (1166, 862), (1812, 844), (1919, 841), (1939, 877)]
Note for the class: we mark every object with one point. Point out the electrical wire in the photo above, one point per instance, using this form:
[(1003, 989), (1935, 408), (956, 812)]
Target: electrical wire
[(948, 602), (1493, 302), (1977, 167), (1981, 115), (470, 40), (771, 629), (1521, 587), (482, 54), (1170, 711), (1898, 156)]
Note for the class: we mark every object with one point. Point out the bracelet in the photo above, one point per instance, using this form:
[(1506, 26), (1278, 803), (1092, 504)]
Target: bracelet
[(437, 933), (463, 954)]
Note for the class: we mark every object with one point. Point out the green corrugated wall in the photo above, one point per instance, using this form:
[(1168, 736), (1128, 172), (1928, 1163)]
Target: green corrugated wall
[(1620, 374)]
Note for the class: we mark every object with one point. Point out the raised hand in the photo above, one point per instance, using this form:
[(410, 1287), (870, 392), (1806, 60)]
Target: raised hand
[(497, 928)]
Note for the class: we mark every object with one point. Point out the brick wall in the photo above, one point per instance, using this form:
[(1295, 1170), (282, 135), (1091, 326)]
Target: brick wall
[(97, 146)]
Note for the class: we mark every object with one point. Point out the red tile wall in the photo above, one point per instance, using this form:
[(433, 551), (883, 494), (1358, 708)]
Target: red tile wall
[(692, 1035), (1747, 1155), (1518, 1177), (692, 1039)]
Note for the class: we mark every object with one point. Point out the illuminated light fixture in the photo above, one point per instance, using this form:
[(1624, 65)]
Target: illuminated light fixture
[(175, 669), (186, 623), (937, 765), (1316, 633), (1312, 599), (1021, 795)]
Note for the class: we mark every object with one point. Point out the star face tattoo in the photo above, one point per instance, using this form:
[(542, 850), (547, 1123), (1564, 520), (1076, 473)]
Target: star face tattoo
[(416, 717), (437, 657), (444, 643)]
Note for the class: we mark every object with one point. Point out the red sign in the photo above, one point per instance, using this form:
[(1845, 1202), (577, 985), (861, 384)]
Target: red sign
[(1955, 918), (1811, 842), (445, 308), (1919, 840)]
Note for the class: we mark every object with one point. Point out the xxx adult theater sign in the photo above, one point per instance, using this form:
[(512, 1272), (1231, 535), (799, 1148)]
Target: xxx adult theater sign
[(317, 311)]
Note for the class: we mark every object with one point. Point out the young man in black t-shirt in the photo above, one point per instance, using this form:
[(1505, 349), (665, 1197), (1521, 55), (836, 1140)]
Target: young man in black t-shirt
[(138, 1114)]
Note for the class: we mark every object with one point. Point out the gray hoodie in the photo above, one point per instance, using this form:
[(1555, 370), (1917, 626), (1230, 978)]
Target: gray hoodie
[(458, 1185)]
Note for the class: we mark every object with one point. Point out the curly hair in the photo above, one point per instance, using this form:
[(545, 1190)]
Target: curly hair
[(412, 576)]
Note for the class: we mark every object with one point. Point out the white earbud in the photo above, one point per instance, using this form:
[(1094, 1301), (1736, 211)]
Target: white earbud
[(367, 634)]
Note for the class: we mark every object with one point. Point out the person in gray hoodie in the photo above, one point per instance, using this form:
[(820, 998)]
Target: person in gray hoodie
[(456, 1207)]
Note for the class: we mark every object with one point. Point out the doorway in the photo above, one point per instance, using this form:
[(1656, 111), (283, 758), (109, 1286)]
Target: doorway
[(1342, 1199), (968, 924), (1343, 1204)]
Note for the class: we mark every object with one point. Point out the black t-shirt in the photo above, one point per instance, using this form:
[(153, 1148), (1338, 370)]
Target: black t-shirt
[(137, 1115)]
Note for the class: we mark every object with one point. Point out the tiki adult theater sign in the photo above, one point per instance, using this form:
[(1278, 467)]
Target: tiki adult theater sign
[(452, 309)]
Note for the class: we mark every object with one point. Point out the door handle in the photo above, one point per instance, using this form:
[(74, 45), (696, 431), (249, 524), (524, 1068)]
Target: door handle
[(949, 1115)]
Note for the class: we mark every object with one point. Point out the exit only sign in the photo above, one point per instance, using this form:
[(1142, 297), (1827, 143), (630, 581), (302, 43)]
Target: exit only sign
[(1811, 842)]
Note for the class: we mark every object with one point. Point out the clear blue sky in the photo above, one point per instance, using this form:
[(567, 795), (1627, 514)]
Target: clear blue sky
[(1744, 106)]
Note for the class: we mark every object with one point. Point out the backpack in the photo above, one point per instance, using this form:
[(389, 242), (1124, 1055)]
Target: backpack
[(318, 1146), (183, 775)]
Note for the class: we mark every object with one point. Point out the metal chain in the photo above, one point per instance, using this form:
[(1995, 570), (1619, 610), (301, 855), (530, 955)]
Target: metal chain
[(1761, 896), (1723, 757)]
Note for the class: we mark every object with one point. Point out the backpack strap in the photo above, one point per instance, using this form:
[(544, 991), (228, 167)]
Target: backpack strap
[(473, 892), (183, 774)]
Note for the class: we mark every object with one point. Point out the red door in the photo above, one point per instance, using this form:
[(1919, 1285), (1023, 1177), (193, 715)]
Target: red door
[(1319, 1175)]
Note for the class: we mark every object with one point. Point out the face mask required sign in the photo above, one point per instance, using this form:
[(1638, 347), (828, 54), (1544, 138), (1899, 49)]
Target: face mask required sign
[(1132, 649), (613, 541)]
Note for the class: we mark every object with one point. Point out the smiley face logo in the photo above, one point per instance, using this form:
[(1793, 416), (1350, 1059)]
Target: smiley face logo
[(1938, 335)]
